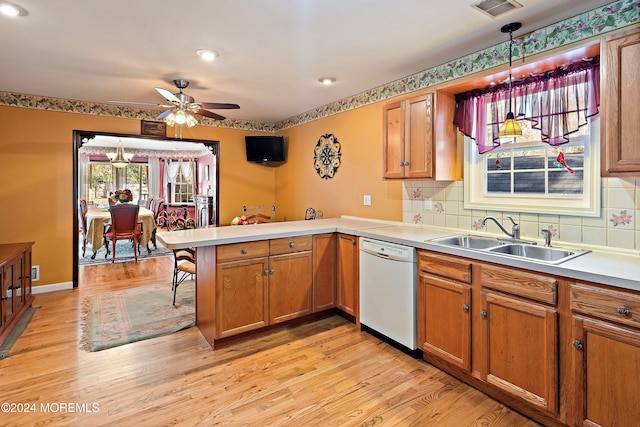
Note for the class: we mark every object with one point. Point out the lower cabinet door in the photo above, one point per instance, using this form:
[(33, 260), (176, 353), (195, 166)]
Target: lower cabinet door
[(445, 322), (290, 286), (606, 374), (241, 296), (522, 349)]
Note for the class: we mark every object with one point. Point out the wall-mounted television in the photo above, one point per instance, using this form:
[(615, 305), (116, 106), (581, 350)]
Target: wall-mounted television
[(265, 149)]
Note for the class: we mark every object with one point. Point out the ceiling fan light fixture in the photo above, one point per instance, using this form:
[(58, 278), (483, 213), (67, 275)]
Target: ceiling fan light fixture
[(207, 55), (180, 117), (191, 121)]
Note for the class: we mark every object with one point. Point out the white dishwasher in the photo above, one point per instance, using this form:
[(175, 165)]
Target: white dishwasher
[(388, 290)]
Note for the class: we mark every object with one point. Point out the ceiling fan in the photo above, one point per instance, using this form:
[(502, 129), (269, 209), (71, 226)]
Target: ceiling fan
[(182, 107)]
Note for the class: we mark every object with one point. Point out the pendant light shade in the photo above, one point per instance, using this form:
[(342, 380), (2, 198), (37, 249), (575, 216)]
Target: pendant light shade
[(119, 159), (510, 128)]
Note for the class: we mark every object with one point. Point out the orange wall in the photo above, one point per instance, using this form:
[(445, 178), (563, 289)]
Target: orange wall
[(36, 167), (298, 186), (36, 171)]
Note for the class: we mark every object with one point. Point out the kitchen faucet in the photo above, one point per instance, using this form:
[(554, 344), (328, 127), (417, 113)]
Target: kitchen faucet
[(515, 229)]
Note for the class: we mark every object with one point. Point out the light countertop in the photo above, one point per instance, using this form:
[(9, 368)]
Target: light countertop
[(615, 269)]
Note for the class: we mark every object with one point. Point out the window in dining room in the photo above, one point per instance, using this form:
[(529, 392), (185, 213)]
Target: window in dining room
[(137, 180), (182, 189), (101, 177)]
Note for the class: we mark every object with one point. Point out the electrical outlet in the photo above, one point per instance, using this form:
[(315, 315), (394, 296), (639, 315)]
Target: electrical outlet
[(426, 204), (35, 273), (367, 200)]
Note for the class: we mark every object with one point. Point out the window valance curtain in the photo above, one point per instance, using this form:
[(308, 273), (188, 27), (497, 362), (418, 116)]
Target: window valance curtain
[(557, 103)]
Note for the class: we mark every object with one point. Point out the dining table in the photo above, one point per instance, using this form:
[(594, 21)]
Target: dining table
[(97, 217)]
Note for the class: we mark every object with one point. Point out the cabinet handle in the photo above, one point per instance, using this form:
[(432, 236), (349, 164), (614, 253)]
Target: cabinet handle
[(353, 241), (271, 271), (406, 163), (483, 314), (578, 344), (5, 298), (624, 311), (244, 251), (292, 244), (401, 163), (465, 307)]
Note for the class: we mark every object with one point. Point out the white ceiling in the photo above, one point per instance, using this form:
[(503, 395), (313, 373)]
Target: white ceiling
[(272, 52)]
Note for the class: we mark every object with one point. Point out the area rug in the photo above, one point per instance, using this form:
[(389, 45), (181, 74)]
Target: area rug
[(116, 318), (16, 332), (124, 252)]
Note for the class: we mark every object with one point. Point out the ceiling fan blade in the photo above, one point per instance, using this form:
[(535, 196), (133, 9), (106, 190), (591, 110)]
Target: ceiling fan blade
[(164, 114), (170, 97), (141, 103), (209, 114), (219, 106)]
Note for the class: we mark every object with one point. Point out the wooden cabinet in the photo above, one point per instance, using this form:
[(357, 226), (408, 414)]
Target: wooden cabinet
[(520, 324), (290, 286), (620, 77), (262, 283), (444, 304), (419, 138), (15, 284), (347, 286), (606, 355), (325, 259)]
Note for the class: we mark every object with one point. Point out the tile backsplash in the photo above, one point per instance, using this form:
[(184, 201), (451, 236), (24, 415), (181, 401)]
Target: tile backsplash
[(441, 204)]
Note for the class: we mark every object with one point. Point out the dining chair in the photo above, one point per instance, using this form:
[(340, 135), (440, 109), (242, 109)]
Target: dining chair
[(124, 226), (82, 210), (184, 266)]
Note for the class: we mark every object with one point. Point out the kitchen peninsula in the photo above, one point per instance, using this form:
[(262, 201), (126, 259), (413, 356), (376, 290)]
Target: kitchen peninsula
[(254, 278)]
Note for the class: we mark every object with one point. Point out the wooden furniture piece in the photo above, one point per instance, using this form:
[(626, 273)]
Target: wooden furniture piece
[(325, 251), (419, 139), (444, 311), (496, 328), (620, 77), (124, 226), (15, 284), (348, 275), (262, 283), (605, 353), (96, 218), (82, 211)]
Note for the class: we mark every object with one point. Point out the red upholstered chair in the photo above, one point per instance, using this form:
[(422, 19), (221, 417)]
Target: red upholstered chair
[(124, 226)]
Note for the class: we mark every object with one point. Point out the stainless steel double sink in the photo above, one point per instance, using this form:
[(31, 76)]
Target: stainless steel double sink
[(517, 249)]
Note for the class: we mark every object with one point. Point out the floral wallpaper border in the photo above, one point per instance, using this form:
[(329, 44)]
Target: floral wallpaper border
[(615, 15)]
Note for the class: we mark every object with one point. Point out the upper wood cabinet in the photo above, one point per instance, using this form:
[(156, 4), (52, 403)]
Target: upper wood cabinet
[(419, 138), (620, 77)]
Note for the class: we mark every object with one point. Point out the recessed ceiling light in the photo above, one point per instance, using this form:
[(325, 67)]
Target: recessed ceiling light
[(327, 80), (206, 54), (10, 9)]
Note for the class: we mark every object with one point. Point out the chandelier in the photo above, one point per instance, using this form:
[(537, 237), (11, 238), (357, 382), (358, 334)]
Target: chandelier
[(119, 159)]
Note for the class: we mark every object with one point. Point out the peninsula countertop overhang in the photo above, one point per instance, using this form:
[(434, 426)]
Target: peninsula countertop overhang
[(608, 268)]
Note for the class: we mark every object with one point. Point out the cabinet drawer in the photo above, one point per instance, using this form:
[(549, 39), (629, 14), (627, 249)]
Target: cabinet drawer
[(522, 283), (617, 306), (289, 245), (445, 266), (238, 251)]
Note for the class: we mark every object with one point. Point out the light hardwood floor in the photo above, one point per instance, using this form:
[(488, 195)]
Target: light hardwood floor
[(322, 374)]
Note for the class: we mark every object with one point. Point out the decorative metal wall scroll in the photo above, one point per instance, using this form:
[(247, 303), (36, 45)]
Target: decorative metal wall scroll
[(326, 156)]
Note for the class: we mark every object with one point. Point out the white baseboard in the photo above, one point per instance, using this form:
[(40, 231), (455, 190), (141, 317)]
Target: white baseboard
[(52, 288)]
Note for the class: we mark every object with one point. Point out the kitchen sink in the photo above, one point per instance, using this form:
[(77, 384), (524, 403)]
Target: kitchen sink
[(468, 241), (538, 253), (517, 249)]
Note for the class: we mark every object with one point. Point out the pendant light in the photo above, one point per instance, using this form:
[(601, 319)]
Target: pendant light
[(119, 159), (510, 127)]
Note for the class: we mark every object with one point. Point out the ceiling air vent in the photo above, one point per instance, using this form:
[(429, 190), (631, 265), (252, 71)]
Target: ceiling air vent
[(494, 8)]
